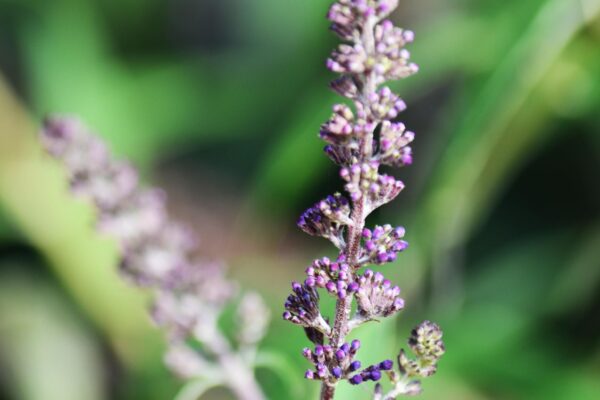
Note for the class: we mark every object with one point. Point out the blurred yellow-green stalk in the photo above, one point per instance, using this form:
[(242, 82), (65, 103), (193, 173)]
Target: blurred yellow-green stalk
[(220, 101)]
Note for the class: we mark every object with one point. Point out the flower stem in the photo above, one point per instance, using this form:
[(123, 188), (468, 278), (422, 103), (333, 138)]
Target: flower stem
[(239, 376), (343, 306)]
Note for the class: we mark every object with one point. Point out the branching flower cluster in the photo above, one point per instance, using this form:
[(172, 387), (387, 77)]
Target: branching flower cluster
[(359, 140), (156, 253)]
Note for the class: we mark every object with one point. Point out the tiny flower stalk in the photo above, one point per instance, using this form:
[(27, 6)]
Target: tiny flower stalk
[(360, 139), (156, 253)]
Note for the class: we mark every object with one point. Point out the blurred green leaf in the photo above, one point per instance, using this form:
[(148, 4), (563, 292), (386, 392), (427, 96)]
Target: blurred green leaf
[(194, 390), (34, 192), (295, 160), (284, 369), (47, 352), (579, 278), (149, 106), (482, 151)]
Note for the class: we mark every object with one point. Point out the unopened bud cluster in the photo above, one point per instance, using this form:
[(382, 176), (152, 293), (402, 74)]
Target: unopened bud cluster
[(426, 344), (156, 253), (332, 364), (361, 135)]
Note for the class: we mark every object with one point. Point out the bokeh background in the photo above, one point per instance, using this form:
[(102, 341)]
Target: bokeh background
[(220, 101)]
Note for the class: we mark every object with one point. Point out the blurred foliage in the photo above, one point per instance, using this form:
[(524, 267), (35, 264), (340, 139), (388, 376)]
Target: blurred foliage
[(37, 331), (501, 206)]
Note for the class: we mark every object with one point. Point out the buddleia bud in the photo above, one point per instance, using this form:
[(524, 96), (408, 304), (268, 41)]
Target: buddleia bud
[(426, 343)]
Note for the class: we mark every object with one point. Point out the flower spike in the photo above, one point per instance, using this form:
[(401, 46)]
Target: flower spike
[(360, 137)]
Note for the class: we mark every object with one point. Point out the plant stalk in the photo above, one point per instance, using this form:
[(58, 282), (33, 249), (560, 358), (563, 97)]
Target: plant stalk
[(343, 306), (238, 375)]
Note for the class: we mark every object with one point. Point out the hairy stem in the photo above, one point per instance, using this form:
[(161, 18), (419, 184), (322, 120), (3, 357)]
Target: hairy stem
[(327, 391), (343, 306)]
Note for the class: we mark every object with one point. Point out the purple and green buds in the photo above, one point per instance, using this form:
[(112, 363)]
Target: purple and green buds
[(327, 218), (361, 136)]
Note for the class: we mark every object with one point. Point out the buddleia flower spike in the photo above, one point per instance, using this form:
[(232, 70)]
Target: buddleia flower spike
[(361, 136), (156, 253)]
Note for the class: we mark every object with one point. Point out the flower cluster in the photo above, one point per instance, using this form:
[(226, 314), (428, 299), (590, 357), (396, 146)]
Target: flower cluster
[(335, 277), (372, 373), (377, 297), (327, 218), (360, 137), (189, 295), (382, 244), (302, 308), (426, 343), (364, 180), (349, 16), (332, 364), (384, 55)]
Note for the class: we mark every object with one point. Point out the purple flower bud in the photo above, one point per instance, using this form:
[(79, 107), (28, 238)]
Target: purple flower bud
[(356, 379), (354, 366), (337, 372), (386, 365), (309, 374), (340, 355), (321, 370), (319, 350), (399, 304), (375, 375), (399, 232), (330, 286)]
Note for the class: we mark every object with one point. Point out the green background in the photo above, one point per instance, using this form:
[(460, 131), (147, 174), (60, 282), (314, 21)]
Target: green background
[(220, 102)]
